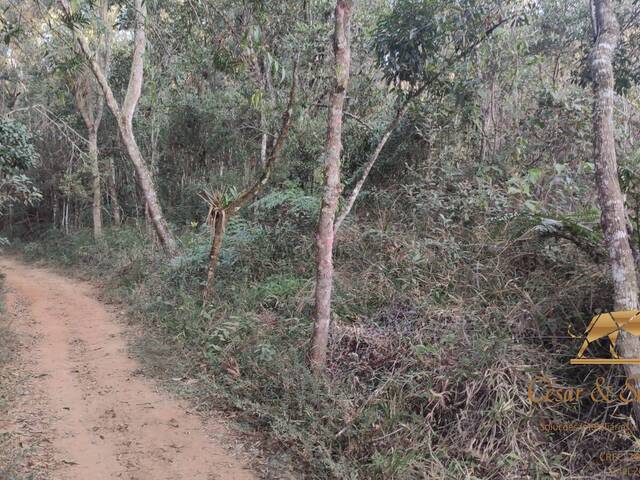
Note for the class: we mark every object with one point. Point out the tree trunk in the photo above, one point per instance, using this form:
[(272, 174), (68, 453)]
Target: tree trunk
[(219, 226), (90, 103), (55, 207), (113, 194), (95, 181), (222, 215), (65, 216), (148, 189), (263, 142), (153, 168), (610, 199), (332, 188), (124, 116)]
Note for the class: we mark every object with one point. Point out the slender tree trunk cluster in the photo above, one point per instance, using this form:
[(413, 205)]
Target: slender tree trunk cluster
[(124, 117), (90, 103)]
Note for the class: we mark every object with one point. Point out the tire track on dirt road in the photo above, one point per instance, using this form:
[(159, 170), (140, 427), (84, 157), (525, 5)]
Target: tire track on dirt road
[(105, 421)]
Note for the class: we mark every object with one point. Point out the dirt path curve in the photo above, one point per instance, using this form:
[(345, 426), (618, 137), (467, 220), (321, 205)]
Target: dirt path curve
[(105, 421)]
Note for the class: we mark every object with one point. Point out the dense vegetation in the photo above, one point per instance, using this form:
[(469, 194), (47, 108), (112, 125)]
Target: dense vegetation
[(474, 244)]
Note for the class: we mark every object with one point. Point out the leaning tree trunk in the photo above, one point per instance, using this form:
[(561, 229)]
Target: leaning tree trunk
[(332, 188), (219, 215), (219, 221), (610, 199), (145, 180)]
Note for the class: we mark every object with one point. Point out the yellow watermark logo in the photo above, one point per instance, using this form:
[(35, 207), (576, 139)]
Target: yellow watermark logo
[(610, 325), (543, 391)]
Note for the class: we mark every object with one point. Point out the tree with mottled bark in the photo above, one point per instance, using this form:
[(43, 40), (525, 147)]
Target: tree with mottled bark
[(610, 198), (124, 115), (392, 37), (90, 103), (325, 233)]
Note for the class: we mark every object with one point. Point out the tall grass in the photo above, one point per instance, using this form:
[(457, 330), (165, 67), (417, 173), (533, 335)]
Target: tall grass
[(437, 331)]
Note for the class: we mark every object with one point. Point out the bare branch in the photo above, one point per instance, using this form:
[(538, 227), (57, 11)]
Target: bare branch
[(134, 88), (349, 115), (400, 113), (93, 64), (249, 194)]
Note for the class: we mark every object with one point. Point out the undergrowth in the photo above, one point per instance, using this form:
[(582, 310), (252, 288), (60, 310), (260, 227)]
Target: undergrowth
[(7, 384), (12, 452), (6, 346), (438, 329)]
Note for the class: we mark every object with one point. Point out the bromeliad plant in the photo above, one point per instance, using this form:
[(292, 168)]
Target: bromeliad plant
[(221, 208)]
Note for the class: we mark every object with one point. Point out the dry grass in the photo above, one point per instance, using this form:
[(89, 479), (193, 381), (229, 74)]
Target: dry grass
[(436, 337), (10, 451)]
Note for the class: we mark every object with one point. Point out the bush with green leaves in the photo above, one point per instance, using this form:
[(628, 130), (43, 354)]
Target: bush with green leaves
[(17, 156), (417, 41)]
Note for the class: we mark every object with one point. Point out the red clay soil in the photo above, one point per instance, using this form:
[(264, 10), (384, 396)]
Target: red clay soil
[(86, 401)]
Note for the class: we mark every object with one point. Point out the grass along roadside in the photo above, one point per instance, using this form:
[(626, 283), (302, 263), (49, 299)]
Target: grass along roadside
[(17, 458), (405, 397), (9, 456)]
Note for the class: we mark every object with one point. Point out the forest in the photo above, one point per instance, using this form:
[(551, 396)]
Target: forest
[(359, 239)]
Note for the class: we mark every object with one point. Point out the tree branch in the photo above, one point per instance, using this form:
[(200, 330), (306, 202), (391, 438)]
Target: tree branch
[(400, 113), (349, 115), (134, 88), (248, 195), (93, 64)]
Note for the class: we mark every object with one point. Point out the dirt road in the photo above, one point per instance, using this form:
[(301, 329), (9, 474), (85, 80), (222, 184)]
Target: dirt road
[(87, 410)]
